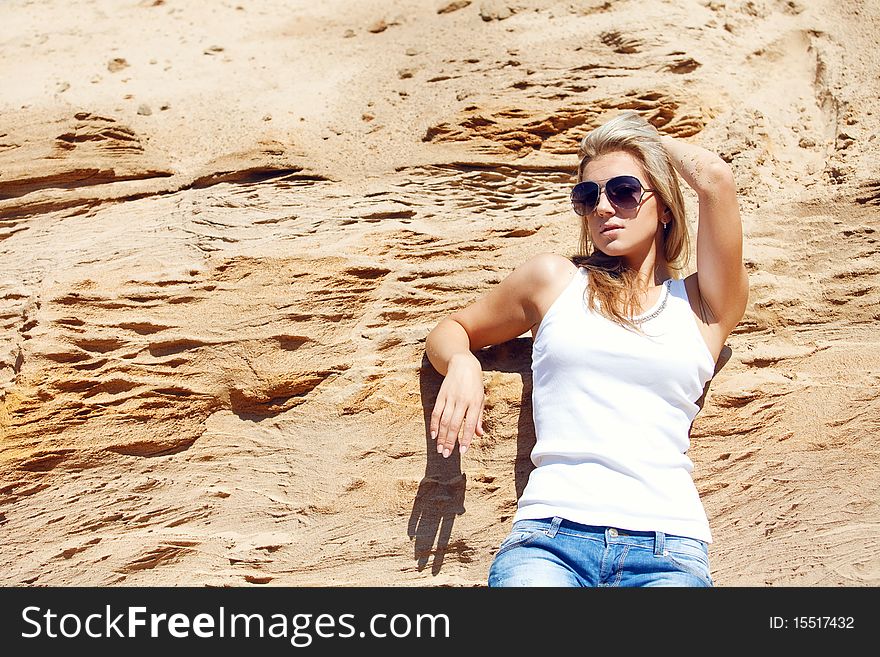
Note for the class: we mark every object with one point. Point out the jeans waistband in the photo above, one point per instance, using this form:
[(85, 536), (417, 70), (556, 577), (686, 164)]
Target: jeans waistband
[(657, 539)]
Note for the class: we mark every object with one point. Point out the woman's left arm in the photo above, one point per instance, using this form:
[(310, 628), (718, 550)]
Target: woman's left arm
[(722, 278)]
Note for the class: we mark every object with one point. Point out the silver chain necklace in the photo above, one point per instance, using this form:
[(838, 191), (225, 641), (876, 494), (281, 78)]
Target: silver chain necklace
[(665, 293)]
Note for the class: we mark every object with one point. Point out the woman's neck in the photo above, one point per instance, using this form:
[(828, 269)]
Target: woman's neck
[(652, 269)]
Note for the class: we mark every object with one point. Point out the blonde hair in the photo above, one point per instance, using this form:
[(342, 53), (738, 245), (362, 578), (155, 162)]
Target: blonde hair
[(611, 283)]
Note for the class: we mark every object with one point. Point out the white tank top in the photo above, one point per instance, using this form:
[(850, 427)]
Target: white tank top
[(613, 411)]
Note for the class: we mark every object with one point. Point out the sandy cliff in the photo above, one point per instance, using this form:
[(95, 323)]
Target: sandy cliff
[(225, 230)]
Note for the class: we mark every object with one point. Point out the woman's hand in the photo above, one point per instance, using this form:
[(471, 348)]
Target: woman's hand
[(459, 406), (701, 169)]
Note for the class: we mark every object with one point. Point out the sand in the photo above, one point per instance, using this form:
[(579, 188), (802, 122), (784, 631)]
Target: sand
[(226, 229)]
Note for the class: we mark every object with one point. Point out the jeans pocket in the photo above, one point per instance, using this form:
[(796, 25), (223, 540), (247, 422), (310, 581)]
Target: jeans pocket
[(689, 562), (519, 537)]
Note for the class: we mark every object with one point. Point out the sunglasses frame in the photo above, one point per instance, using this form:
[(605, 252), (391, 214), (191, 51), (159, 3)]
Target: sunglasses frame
[(602, 189)]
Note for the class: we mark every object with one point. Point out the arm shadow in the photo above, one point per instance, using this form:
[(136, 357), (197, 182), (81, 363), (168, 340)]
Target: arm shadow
[(441, 492)]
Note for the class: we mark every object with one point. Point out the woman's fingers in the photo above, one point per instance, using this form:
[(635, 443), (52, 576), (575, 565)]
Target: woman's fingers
[(451, 422), (441, 418), (472, 429), (435, 417), (449, 430), (443, 412), (457, 414), (470, 426)]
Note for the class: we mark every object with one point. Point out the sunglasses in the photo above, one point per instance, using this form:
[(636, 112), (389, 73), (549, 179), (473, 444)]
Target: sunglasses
[(623, 192)]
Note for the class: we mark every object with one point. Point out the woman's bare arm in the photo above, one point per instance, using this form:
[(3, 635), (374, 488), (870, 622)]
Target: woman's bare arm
[(505, 312), (721, 276)]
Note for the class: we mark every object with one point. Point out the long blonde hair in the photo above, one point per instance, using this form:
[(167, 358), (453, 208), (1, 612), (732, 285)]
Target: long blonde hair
[(611, 283)]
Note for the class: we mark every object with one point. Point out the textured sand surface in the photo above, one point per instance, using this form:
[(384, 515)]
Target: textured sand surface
[(225, 231)]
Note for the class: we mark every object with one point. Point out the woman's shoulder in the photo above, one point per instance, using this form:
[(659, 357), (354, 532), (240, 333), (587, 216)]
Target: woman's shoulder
[(548, 275), (549, 269)]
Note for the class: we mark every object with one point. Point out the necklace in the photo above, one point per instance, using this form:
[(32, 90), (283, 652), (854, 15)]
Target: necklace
[(665, 294)]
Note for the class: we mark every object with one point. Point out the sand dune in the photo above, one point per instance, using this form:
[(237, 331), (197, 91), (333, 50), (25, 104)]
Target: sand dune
[(227, 229)]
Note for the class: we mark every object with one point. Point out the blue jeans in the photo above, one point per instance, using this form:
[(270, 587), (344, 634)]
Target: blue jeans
[(557, 552)]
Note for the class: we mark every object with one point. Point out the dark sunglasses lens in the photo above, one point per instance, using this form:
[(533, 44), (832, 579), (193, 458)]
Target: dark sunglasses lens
[(624, 192), (584, 197)]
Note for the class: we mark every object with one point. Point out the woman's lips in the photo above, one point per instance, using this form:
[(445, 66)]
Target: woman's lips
[(610, 227)]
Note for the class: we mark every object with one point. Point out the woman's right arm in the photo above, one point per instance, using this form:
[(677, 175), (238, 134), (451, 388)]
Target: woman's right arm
[(461, 394), (504, 313)]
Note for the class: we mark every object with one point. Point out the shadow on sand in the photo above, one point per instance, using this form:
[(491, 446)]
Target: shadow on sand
[(441, 493)]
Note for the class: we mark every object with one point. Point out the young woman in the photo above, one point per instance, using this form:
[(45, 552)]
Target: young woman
[(623, 348)]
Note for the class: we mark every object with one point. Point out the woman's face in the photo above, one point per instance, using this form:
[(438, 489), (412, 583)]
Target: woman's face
[(619, 232)]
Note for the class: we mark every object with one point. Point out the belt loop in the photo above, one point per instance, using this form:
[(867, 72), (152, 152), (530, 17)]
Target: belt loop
[(659, 544), (554, 526)]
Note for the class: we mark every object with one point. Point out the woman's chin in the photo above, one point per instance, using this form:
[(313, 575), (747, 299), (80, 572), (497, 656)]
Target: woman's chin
[(613, 249)]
